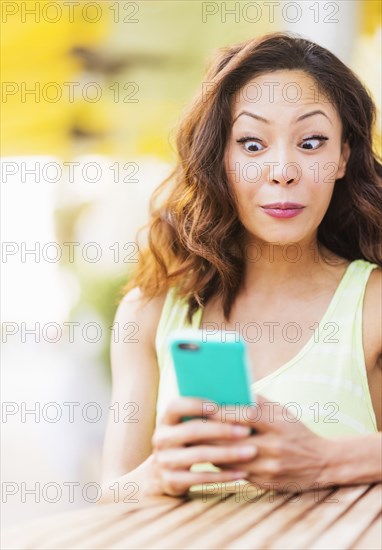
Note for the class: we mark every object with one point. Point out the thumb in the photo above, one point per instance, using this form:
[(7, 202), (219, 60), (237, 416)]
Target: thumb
[(260, 399), (262, 413)]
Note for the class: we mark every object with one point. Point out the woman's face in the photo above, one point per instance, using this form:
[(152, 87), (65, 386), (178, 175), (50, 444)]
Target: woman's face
[(273, 155)]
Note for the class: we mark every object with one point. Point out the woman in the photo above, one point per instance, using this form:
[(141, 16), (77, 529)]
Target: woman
[(278, 120)]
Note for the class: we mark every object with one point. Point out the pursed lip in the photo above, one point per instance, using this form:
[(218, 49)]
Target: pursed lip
[(283, 205)]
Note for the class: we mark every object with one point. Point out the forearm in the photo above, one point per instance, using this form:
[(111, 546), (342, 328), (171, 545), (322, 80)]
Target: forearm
[(354, 459), (131, 486)]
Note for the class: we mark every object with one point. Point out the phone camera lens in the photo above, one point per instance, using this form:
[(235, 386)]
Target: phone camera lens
[(188, 346)]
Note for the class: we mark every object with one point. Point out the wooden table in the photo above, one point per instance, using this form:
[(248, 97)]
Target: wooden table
[(336, 518)]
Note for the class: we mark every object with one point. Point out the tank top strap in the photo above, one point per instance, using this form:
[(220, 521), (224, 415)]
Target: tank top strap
[(360, 278), (348, 300), (343, 321), (173, 316)]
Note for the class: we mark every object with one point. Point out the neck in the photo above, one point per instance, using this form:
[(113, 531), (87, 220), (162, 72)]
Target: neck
[(271, 266)]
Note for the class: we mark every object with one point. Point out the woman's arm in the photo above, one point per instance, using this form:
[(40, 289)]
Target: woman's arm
[(292, 457), (139, 459), (135, 377), (372, 340), (358, 459), (352, 460), (132, 486)]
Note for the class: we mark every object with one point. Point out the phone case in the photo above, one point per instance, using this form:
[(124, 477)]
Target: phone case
[(216, 367)]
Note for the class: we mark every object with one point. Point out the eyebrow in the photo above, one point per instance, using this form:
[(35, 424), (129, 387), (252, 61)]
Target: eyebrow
[(302, 117)]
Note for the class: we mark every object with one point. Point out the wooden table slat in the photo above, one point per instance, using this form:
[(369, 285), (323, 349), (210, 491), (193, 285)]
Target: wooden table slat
[(371, 538), (236, 525), (35, 531), (353, 523), (219, 515), (241, 520), (190, 510), (261, 535), (303, 533), (94, 535)]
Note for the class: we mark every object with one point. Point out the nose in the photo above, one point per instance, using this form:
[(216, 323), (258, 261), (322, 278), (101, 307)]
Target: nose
[(281, 173)]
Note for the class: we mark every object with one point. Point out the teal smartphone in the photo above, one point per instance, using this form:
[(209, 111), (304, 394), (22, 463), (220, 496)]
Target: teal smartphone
[(214, 367)]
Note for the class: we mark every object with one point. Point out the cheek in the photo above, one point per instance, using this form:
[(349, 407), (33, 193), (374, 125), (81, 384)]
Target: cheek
[(320, 183), (324, 169), (244, 177)]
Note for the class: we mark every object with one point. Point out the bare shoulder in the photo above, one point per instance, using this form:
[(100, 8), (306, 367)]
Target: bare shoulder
[(372, 315), (137, 308)]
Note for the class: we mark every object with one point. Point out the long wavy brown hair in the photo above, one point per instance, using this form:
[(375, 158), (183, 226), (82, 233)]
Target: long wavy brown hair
[(195, 237)]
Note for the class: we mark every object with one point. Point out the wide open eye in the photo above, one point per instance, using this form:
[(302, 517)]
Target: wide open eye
[(313, 142), (253, 143)]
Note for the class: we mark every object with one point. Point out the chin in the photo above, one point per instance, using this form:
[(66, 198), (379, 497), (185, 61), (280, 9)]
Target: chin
[(281, 238)]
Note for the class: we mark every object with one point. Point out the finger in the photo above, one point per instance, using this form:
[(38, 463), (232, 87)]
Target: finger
[(195, 431), (262, 415), (176, 483), (273, 412), (187, 406), (267, 445), (247, 415), (263, 484), (175, 459), (262, 468)]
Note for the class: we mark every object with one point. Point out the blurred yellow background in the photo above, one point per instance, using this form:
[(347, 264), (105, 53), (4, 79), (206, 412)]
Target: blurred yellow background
[(158, 47)]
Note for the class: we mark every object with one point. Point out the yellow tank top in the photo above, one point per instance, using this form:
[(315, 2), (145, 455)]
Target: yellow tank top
[(325, 384)]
